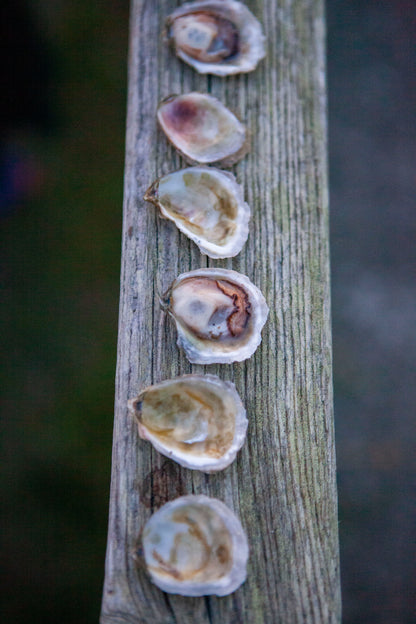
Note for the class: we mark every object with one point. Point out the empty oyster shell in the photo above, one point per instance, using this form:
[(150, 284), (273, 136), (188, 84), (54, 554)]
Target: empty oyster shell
[(202, 129), (197, 420), (219, 315), (219, 37), (195, 546), (207, 205)]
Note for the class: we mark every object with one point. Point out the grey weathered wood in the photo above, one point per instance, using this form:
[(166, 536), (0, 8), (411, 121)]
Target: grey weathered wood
[(282, 484)]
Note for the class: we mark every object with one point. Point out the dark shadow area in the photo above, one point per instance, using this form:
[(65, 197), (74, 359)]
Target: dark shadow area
[(372, 141), (63, 76), (63, 72)]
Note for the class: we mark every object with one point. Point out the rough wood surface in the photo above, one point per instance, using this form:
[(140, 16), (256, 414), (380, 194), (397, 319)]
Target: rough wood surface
[(282, 484)]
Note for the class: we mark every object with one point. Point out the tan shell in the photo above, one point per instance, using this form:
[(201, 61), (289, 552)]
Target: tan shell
[(197, 420), (195, 546), (202, 129), (207, 205), (219, 37), (219, 315)]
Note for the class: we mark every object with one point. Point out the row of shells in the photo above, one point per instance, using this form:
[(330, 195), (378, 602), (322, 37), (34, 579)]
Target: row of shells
[(195, 545)]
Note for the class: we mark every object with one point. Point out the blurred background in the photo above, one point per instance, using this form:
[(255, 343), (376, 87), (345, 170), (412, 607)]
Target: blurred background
[(62, 122)]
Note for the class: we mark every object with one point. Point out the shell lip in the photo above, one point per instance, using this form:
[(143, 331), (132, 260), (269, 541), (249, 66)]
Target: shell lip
[(208, 353), (151, 193), (222, 586), (205, 463), (167, 99)]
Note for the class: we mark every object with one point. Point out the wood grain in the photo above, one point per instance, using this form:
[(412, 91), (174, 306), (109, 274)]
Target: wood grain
[(282, 484)]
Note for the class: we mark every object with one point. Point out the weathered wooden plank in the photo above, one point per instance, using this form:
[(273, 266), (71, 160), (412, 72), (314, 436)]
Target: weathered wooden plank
[(282, 484)]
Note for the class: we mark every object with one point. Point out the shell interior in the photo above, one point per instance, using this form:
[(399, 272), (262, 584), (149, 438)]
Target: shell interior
[(219, 315), (197, 420), (199, 549), (219, 37), (213, 309), (195, 546), (207, 205), (202, 128)]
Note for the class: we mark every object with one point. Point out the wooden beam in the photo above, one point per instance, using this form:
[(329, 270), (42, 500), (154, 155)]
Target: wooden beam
[(282, 485)]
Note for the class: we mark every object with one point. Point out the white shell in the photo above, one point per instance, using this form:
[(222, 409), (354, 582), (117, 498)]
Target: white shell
[(195, 546), (197, 420), (202, 129), (207, 205), (194, 31), (219, 315)]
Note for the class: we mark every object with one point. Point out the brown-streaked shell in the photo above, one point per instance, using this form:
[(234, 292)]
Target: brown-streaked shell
[(198, 421), (195, 546), (207, 205), (219, 315), (220, 37)]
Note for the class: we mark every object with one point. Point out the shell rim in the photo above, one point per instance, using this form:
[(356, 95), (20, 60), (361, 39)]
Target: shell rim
[(241, 353), (238, 573), (226, 161), (184, 460), (212, 250), (243, 18)]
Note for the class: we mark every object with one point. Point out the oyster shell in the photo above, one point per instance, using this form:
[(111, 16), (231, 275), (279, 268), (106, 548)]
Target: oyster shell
[(219, 315), (195, 546), (202, 129), (219, 37), (207, 205), (197, 420)]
